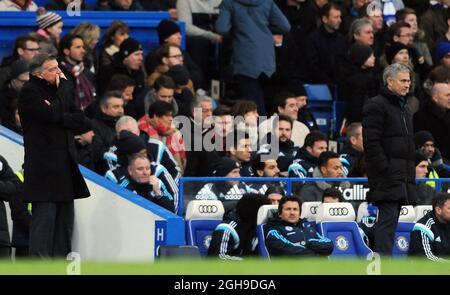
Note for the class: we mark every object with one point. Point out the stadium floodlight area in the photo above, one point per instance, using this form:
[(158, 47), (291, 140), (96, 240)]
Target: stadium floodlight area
[(113, 224)]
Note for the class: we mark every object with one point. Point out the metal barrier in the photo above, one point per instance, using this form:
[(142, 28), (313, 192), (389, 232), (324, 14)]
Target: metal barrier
[(357, 191)]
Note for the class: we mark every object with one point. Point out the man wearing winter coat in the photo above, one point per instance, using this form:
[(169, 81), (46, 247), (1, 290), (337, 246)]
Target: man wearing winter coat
[(389, 147), (289, 235), (52, 177)]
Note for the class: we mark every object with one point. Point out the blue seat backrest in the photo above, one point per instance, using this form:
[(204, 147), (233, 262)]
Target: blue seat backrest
[(261, 234), (318, 92), (346, 238), (402, 238), (199, 233)]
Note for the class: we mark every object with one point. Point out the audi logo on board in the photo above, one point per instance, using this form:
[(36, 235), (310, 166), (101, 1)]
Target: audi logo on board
[(404, 211), (338, 211), (208, 209)]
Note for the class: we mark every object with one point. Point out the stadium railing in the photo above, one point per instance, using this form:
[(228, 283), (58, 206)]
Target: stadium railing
[(142, 26)]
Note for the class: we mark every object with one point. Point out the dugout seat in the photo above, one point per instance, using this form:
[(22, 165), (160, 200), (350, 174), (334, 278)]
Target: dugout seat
[(406, 222), (264, 213), (202, 217), (422, 210), (336, 221), (309, 212)]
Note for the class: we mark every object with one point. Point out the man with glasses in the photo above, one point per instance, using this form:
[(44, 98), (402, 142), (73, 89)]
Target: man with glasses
[(52, 179), (26, 47)]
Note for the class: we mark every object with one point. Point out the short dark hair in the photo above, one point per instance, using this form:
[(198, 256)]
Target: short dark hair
[(401, 14), (160, 108), (235, 136), (66, 42), (108, 95), (119, 82), (21, 42), (332, 192), (440, 199), (257, 163), (242, 107), (314, 136), (280, 99), (275, 189), (396, 29), (282, 117), (284, 200), (325, 157), (247, 207), (164, 51), (164, 81), (222, 110), (325, 10)]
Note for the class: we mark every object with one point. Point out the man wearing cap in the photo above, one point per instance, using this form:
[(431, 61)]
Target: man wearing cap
[(227, 191), (435, 117), (183, 93), (52, 179), (128, 61), (169, 32)]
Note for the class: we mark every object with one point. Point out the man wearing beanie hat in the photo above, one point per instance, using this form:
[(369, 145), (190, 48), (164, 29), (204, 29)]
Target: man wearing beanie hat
[(128, 62), (360, 53), (424, 142), (50, 27), (442, 53), (227, 191), (169, 32), (398, 53), (18, 5), (304, 115)]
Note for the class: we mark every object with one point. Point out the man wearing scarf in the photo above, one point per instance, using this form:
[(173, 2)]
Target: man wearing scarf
[(71, 59)]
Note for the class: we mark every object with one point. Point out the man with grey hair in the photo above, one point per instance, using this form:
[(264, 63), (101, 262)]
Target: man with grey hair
[(435, 117), (52, 179), (389, 150), (361, 31), (353, 149)]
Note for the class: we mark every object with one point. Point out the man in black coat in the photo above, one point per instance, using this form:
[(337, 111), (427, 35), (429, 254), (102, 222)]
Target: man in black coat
[(10, 186), (389, 147), (435, 118), (52, 177)]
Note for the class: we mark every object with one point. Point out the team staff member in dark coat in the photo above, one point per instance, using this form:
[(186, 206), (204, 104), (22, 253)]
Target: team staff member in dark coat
[(389, 147), (52, 177), (288, 235), (10, 185), (430, 236)]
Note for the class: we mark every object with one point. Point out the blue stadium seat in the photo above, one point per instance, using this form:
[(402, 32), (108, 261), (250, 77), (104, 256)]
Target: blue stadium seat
[(264, 213), (406, 222), (321, 103), (309, 212), (336, 221), (202, 217)]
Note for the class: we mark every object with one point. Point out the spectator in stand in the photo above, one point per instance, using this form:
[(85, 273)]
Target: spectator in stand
[(83, 143), (236, 237), (116, 33), (435, 118), (161, 5), (430, 236), (121, 5), (288, 235), (239, 148), (25, 48), (425, 192), (275, 193), (286, 104), (124, 85), (263, 165), (246, 116), (443, 54), (18, 5), (424, 142), (409, 16), (249, 25), (353, 148), (315, 143), (321, 61), (433, 22), (169, 33), (49, 31), (72, 55), (90, 34), (111, 109), (375, 14), (64, 4), (361, 31), (332, 195), (158, 124)]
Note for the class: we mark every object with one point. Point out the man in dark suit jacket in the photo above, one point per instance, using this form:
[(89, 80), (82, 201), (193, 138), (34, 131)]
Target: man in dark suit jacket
[(52, 177)]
